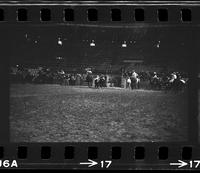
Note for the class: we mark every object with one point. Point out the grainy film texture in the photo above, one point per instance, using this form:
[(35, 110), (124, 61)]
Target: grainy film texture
[(98, 84), (95, 74)]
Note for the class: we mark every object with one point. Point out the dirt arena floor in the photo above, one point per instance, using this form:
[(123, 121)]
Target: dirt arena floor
[(54, 113)]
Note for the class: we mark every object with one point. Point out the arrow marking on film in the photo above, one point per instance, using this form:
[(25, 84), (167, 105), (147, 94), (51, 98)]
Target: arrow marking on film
[(179, 164), (90, 163)]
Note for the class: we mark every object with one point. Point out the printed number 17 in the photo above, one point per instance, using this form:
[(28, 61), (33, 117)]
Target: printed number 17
[(195, 161), (106, 163)]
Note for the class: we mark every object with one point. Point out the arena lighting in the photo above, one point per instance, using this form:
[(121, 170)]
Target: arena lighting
[(59, 41), (158, 45), (124, 44), (92, 44), (59, 58), (132, 42)]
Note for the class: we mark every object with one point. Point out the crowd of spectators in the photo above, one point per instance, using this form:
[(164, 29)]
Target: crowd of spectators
[(19, 74), (48, 75)]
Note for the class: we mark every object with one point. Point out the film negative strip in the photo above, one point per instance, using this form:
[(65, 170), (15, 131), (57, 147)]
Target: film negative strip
[(100, 85)]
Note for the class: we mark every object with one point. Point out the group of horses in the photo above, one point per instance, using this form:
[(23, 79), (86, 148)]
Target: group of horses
[(133, 82), (167, 84), (163, 81), (99, 81)]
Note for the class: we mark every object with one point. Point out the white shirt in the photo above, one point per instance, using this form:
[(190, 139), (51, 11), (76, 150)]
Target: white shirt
[(134, 74), (174, 76), (129, 80)]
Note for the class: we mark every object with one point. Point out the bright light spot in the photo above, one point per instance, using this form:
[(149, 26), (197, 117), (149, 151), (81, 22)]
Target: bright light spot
[(59, 58), (158, 44), (60, 41), (92, 44), (124, 44), (132, 42), (36, 41), (27, 37)]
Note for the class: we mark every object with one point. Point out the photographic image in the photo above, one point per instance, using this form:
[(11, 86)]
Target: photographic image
[(98, 83)]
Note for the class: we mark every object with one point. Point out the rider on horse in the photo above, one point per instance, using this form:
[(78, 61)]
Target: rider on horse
[(96, 81), (134, 74), (89, 78), (134, 80), (173, 77), (155, 81), (155, 76)]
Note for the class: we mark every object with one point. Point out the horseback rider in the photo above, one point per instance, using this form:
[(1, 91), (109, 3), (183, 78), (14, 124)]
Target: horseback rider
[(134, 80), (155, 76), (102, 80), (89, 77), (128, 83), (96, 81), (156, 82), (134, 74), (173, 77)]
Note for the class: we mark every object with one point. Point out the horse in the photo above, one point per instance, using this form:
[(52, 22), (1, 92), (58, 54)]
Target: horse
[(176, 85), (89, 80), (96, 82), (102, 81), (135, 82), (155, 83), (99, 82), (128, 81)]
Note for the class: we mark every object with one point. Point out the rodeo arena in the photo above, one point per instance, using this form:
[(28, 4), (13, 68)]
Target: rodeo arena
[(93, 84)]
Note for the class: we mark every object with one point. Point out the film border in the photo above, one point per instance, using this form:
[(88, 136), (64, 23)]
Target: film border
[(104, 149)]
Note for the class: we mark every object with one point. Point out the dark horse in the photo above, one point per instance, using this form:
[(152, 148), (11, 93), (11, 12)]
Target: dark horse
[(155, 83), (89, 80), (99, 82), (178, 85), (96, 83), (135, 82)]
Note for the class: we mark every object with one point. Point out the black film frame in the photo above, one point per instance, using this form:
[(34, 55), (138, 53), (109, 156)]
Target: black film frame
[(127, 160)]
